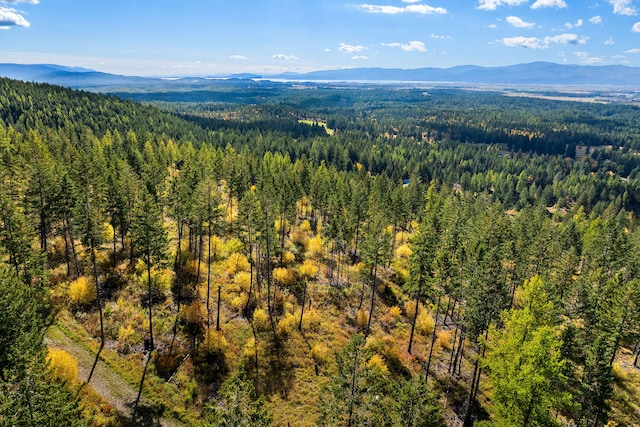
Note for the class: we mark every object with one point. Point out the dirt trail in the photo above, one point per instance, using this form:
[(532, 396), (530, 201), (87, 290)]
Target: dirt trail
[(107, 383)]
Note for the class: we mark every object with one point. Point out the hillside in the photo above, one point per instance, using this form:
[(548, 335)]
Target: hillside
[(327, 257)]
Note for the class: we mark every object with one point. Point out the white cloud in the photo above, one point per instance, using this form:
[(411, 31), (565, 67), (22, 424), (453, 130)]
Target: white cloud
[(636, 50), (436, 36), (609, 42), (528, 42), (12, 18), (412, 46), (519, 23), (21, 1), (586, 59), (411, 1), (347, 48), (566, 38), (326, 50), (636, 27), (359, 57), (492, 26), (623, 7), (596, 19), (284, 57), (548, 3), (578, 23), (494, 4), (238, 57), (421, 9), (539, 43)]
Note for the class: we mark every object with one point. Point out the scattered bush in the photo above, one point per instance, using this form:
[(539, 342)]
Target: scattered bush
[(444, 339), (424, 323), (377, 365), (320, 354), (236, 263), (242, 280), (127, 338), (311, 320), (240, 302), (194, 313), (214, 342), (308, 269), (315, 247), (82, 291), (260, 320), (284, 276), (287, 324), (403, 251), (361, 318), (288, 257), (63, 365)]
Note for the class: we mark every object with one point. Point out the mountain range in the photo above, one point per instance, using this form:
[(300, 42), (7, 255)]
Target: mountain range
[(536, 73)]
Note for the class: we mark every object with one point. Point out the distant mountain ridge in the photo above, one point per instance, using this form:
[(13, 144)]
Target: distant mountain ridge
[(531, 73), (535, 73)]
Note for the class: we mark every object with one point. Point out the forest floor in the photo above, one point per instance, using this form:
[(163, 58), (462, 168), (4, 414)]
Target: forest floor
[(108, 383)]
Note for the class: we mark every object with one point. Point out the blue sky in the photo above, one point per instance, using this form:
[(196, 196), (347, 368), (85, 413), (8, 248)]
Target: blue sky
[(212, 37)]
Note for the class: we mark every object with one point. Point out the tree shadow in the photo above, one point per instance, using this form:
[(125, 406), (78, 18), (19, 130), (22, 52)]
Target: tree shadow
[(143, 415), (95, 363)]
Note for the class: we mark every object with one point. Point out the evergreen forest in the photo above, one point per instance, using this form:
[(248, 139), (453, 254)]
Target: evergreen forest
[(266, 254)]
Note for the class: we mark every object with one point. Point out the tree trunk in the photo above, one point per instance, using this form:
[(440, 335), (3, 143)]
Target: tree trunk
[(98, 293), (415, 312), (209, 281), (115, 253), (218, 312), (304, 297), (150, 303), (73, 246), (433, 339), (66, 251), (353, 388), (373, 296)]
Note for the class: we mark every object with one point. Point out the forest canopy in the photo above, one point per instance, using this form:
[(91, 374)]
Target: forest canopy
[(326, 256)]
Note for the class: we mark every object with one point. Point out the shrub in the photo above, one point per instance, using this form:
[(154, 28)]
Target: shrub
[(287, 324), (311, 320), (288, 257), (242, 280), (284, 276), (424, 323), (305, 226), (361, 318), (194, 313), (444, 339), (315, 247), (403, 251), (320, 354), (127, 338), (63, 365), (214, 342), (82, 291), (308, 269), (236, 263), (377, 365), (239, 302), (231, 247), (299, 237), (261, 320)]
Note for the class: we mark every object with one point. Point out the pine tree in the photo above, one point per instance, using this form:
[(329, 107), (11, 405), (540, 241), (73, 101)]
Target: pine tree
[(29, 394), (237, 405), (150, 241), (525, 364)]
